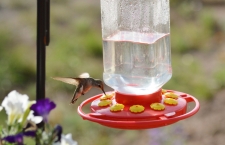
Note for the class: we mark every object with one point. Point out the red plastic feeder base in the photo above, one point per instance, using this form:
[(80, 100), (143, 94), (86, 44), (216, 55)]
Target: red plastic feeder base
[(148, 118)]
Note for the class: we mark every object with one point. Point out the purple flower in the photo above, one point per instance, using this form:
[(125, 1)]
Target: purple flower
[(30, 133), (58, 132), (42, 108), (18, 139)]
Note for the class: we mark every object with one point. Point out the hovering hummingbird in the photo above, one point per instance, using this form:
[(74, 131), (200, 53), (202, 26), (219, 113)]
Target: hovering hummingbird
[(83, 84)]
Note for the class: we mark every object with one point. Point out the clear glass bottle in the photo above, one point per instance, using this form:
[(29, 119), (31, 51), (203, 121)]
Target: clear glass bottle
[(136, 45)]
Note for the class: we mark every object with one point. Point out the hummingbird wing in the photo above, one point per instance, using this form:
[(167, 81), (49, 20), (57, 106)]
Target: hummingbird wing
[(84, 75), (30, 126), (72, 81), (77, 93)]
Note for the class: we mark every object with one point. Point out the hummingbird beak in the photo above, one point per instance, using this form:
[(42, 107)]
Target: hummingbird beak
[(103, 91)]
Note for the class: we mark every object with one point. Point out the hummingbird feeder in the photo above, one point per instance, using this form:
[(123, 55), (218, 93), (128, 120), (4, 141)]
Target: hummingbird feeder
[(137, 63)]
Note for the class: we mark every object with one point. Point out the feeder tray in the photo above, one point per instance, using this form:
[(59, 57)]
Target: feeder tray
[(145, 118)]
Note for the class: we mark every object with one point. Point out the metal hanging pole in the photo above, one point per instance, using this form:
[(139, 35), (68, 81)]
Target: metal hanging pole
[(43, 27), (43, 39)]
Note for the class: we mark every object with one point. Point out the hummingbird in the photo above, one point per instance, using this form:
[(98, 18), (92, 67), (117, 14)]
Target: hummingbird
[(83, 84)]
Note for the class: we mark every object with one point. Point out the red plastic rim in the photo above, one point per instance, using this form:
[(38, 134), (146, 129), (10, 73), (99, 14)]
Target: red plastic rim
[(138, 123)]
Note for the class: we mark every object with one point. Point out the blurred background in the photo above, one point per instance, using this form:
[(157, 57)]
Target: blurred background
[(198, 62)]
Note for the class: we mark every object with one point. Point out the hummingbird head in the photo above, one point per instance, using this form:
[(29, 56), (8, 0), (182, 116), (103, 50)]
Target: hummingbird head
[(99, 84)]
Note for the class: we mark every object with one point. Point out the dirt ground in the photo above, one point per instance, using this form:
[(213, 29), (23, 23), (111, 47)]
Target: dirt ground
[(207, 127)]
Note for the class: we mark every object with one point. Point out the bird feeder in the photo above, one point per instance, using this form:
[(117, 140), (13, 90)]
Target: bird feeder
[(137, 63)]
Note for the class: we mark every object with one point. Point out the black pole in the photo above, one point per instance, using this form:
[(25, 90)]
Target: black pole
[(40, 86), (43, 37), (43, 14), (47, 22)]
